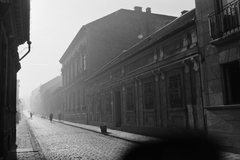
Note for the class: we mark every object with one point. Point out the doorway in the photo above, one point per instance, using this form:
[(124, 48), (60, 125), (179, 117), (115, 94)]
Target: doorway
[(118, 110)]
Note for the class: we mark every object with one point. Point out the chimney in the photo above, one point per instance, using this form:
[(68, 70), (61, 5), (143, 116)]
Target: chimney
[(184, 11), (148, 10), (138, 9)]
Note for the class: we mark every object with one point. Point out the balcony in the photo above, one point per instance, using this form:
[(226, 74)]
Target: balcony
[(225, 22)]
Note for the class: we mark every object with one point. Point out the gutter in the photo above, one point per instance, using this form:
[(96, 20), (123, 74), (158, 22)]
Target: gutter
[(29, 49)]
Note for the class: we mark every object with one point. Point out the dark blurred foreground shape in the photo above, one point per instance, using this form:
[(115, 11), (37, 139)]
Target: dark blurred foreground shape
[(186, 148), (14, 31)]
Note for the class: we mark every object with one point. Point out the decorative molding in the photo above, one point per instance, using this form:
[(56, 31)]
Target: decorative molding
[(123, 87), (139, 81), (186, 69), (156, 75), (161, 53), (123, 70), (162, 75), (135, 83), (195, 64)]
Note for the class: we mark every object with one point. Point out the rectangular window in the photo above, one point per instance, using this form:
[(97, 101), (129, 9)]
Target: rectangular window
[(108, 101), (148, 90), (74, 102), (79, 104), (91, 104), (231, 74), (84, 61), (130, 98), (99, 106), (175, 92)]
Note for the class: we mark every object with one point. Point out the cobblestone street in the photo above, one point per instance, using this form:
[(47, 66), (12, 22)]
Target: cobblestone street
[(60, 141), (39, 139)]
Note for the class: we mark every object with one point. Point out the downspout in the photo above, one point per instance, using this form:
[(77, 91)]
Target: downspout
[(202, 92), (29, 49)]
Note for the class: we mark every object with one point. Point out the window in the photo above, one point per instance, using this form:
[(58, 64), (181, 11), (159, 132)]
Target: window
[(91, 104), (108, 101), (130, 98), (175, 92), (231, 74), (148, 90), (99, 106), (74, 102), (78, 99), (84, 61)]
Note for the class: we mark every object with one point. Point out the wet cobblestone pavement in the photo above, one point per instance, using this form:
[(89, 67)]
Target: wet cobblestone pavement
[(38, 139), (60, 141)]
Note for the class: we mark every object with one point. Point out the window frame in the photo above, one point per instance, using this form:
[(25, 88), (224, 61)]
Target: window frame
[(227, 88), (152, 94), (130, 100)]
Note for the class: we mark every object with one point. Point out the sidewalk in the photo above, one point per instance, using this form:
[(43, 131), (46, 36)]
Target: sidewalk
[(113, 133), (27, 148)]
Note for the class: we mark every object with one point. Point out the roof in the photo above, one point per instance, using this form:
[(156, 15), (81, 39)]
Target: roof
[(106, 20), (159, 35), (50, 84)]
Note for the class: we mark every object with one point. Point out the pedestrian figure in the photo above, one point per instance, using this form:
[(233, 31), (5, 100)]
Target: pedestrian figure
[(51, 117), (60, 116), (30, 115)]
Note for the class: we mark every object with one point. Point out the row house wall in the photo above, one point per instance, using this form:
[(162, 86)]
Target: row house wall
[(95, 45), (155, 93), (14, 31), (218, 31)]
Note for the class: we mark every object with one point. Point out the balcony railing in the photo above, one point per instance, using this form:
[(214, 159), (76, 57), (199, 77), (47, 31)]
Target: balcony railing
[(225, 20)]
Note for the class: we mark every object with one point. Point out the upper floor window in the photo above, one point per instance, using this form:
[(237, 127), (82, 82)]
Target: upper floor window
[(84, 61), (231, 74)]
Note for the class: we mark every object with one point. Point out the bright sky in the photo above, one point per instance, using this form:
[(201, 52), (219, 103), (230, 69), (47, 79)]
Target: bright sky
[(54, 24)]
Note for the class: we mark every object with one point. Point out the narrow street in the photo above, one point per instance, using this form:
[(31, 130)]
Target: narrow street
[(59, 141), (39, 139)]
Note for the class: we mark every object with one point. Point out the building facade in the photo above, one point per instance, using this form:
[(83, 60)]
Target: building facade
[(47, 95), (14, 31), (218, 24), (154, 87), (95, 45)]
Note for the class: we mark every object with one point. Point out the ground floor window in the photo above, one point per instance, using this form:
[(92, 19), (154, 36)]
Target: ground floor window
[(98, 103), (148, 93), (108, 101), (130, 98), (175, 92), (231, 74)]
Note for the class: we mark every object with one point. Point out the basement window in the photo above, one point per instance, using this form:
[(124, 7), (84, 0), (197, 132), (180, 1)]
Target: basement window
[(231, 75)]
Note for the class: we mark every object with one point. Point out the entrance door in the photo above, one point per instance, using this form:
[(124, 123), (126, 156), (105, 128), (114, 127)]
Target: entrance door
[(176, 105), (118, 106)]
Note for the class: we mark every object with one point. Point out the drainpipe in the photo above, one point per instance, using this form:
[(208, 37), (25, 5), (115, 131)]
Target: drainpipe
[(202, 92), (29, 49)]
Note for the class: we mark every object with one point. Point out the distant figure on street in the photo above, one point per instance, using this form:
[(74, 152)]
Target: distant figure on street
[(51, 117), (59, 116), (30, 115)]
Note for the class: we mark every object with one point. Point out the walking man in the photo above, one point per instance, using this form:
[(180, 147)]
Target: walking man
[(51, 117), (31, 115)]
